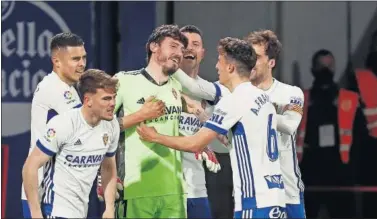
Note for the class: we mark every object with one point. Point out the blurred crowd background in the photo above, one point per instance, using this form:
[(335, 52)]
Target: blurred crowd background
[(327, 48)]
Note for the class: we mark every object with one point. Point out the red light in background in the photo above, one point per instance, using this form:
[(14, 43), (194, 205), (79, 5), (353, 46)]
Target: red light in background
[(4, 177)]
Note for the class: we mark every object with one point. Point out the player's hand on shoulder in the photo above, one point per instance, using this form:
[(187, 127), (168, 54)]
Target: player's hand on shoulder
[(153, 108), (146, 133)]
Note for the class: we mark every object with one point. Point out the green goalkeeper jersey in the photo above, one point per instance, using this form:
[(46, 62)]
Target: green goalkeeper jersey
[(150, 169)]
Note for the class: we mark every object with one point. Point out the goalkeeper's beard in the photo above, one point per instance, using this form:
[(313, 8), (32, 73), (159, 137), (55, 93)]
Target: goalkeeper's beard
[(163, 60)]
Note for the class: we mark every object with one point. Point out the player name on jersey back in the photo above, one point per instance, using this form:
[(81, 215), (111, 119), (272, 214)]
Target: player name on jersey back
[(254, 152)]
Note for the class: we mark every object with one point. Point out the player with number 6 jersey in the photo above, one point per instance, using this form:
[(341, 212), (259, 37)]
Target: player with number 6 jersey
[(251, 122), (289, 101)]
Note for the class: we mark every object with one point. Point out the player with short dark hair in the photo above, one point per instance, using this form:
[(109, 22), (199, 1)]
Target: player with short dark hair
[(154, 184), (55, 94), (258, 186), (72, 148)]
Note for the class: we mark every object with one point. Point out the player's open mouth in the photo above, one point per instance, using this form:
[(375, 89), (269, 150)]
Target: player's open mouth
[(176, 60), (79, 72), (192, 57)]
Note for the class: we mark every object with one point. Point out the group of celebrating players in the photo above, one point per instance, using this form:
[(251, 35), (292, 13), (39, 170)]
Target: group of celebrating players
[(171, 120)]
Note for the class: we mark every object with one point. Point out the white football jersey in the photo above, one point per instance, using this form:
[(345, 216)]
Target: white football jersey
[(193, 170), (51, 97), (203, 89), (284, 94), (249, 115), (77, 150)]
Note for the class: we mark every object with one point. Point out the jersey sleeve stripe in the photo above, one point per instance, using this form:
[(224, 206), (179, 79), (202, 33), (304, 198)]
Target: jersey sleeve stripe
[(44, 149), (110, 154), (78, 105), (50, 114), (217, 97), (215, 128)]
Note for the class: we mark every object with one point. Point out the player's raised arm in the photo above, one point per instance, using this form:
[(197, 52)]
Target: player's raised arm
[(290, 116), (199, 87), (47, 146)]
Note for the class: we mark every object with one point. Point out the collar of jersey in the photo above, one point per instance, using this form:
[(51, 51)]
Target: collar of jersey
[(55, 75), (272, 87), (84, 121), (149, 78), (241, 85)]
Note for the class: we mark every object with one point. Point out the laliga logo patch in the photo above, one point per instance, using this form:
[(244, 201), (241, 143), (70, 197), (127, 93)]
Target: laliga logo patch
[(51, 133), (68, 95), (25, 47)]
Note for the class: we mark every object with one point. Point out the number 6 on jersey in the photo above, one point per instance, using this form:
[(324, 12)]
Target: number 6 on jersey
[(272, 143)]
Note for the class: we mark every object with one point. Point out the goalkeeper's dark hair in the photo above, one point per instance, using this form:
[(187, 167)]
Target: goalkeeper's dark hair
[(191, 29), (160, 33), (63, 40), (93, 79), (240, 52)]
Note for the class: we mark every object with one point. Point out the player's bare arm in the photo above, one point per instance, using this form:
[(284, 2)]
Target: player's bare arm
[(151, 109), (35, 160), (194, 143), (109, 180)]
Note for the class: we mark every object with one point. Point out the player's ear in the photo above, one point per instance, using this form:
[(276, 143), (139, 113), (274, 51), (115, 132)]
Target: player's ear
[(88, 100), (55, 60), (202, 53), (271, 63), (231, 67), (153, 47)]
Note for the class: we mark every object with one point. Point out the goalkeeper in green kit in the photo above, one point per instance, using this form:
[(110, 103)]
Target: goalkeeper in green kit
[(153, 183)]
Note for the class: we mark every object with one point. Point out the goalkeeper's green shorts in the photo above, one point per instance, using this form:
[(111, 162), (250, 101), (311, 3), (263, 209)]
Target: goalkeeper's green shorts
[(168, 206)]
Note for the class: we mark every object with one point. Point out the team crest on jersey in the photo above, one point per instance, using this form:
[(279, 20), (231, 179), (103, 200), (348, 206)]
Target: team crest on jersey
[(174, 93), (204, 104), (68, 95), (105, 138)]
